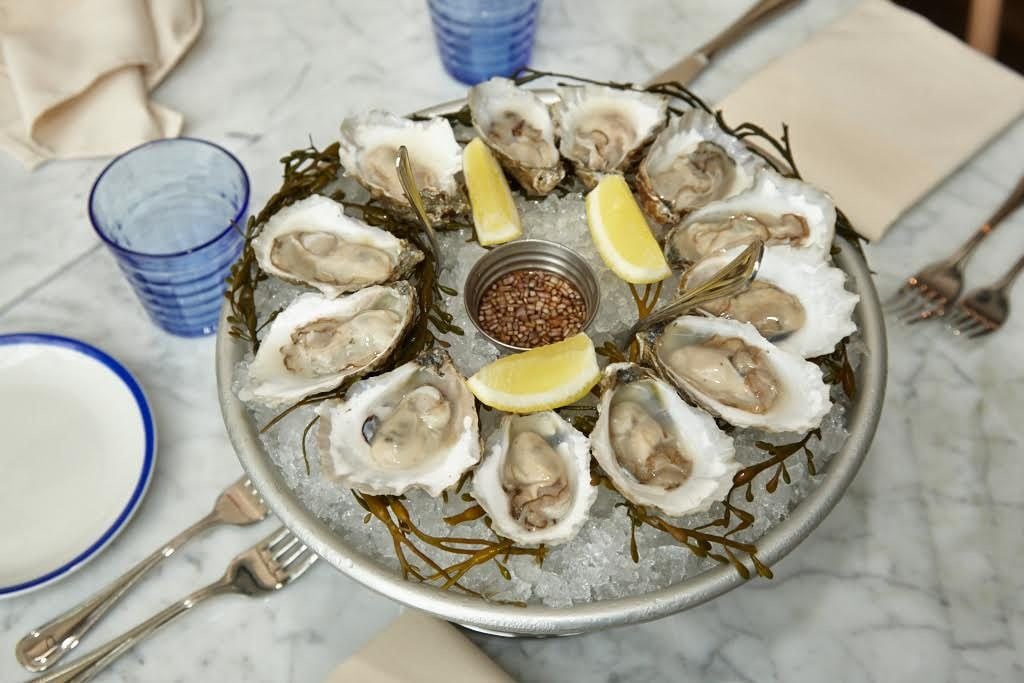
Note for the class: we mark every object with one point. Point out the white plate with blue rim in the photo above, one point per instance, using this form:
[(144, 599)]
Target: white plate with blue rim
[(78, 449)]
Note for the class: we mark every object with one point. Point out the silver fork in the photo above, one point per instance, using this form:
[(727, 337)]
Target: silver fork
[(985, 309), (268, 566), (239, 504), (927, 293)]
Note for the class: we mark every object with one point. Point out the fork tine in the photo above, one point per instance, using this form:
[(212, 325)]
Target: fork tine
[(908, 297), (275, 539), (933, 313), (900, 295), (292, 557), (282, 548), (957, 318), (985, 329), (969, 320), (922, 297), (972, 327), (909, 313), (295, 569), (915, 303)]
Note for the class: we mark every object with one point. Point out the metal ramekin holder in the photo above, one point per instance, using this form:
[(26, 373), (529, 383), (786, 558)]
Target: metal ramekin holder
[(529, 255)]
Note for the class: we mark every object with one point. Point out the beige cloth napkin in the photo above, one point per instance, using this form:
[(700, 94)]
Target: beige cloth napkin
[(881, 105), (76, 74), (416, 648)]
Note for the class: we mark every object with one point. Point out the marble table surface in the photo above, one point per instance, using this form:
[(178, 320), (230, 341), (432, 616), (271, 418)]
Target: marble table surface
[(912, 577)]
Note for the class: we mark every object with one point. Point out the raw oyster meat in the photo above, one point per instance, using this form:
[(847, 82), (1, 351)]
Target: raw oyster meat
[(369, 147), (534, 481), (313, 242), (604, 130), (776, 210), (797, 302), (735, 373), (691, 163), (656, 448), (317, 342), (518, 127), (413, 427)]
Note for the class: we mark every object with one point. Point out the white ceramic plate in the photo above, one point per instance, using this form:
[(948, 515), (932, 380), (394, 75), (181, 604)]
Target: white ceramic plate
[(77, 445)]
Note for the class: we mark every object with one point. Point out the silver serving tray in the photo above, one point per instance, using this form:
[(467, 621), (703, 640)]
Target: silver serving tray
[(538, 620)]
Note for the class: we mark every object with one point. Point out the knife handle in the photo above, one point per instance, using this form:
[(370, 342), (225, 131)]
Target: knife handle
[(735, 30)]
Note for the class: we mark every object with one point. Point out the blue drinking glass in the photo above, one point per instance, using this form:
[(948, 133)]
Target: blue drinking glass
[(173, 213), (479, 39)]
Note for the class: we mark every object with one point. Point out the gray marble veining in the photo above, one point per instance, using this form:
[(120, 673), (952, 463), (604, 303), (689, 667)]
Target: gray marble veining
[(911, 578)]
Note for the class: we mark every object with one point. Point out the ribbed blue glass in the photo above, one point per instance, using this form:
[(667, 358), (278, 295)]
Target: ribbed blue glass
[(173, 213), (479, 39)]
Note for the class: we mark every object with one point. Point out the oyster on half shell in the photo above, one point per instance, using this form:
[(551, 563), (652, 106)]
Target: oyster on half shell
[(797, 302), (368, 148), (313, 242), (317, 342), (776, 210), (413, 427), (735, 373), (518, 127), (691, 163), (604, 130), (656, 448), (534, 481)]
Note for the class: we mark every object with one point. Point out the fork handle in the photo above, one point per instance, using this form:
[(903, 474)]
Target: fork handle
[(99, 659), (1009, 205), (1006, 280), (45, 645)]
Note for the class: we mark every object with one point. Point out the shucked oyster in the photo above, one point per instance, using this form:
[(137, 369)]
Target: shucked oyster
[(534, 481), (413, 427), (313, 242), (604, 130), (799, 303), (776, 210), (692, 162), (732, 371), (657, 449), (316, 343), (518, 127), (369, 147)]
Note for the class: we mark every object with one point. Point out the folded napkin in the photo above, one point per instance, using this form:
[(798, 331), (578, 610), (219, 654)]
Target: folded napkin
[(881, 105), (416, 648), (76, 74)]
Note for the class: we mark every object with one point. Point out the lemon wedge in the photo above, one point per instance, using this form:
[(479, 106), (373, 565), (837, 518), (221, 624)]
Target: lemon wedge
[(539, 379), (494, 212), (621, 233)]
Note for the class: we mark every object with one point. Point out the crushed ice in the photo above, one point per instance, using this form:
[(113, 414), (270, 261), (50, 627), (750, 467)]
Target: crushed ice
[(596, 564)]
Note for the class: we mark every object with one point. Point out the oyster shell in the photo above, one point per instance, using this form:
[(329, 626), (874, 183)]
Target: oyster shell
[(413, 427), (734, 372), (313, 242), (777, 210), (315, 343), (799, 303), (534, 481), (518, 127), (656, 448), (604, 129), (691, 163), (368, 148)]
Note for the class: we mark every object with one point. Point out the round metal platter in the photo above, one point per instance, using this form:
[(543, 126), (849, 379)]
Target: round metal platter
[(539, 620)]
